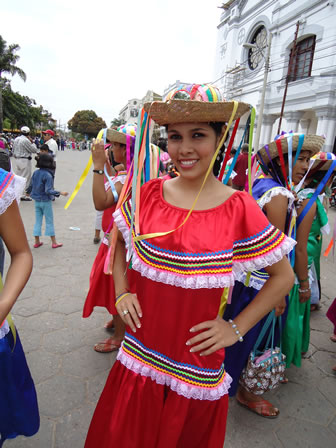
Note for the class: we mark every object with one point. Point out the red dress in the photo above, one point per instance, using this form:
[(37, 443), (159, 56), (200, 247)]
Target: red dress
[(158, 394), (101, 291)]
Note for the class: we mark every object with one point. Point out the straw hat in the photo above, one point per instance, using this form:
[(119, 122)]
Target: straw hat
[(312, 143), (119, 135), (204, 105), (322, 162)]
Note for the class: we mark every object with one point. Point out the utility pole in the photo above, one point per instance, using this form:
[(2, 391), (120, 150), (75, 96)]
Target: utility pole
[(262, 100), (291, 58)]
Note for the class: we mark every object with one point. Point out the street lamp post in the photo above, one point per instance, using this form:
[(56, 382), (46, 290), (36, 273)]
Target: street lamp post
[(263, 92)]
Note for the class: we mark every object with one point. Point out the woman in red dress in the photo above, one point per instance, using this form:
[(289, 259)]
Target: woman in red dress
[(105, 196), (168, 387)]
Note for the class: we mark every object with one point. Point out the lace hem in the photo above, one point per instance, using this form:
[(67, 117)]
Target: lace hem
[(253, 282), (14, 191), (186, 390), (276, 191), (201, 281), (4, 329)]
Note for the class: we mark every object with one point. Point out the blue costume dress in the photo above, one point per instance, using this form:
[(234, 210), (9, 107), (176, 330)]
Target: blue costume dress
[(18, 402), (264, 189)]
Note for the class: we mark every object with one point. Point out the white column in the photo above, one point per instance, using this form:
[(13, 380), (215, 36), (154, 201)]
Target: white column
[(330, 133), (293, 119), (267, 126), (305, 123)]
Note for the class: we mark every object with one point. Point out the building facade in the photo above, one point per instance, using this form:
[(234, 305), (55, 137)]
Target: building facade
[(242, 45), (130, 112)]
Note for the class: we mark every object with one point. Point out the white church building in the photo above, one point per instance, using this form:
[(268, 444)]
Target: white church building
[(242, 46)]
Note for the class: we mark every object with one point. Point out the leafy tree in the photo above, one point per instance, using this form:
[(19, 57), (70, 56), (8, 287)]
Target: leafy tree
[(8, 61), (19, 110), (116, 122), (86, 122)]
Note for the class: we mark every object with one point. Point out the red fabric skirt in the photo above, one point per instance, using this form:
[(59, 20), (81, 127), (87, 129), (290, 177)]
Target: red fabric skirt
[(101, 292), (135, 411)]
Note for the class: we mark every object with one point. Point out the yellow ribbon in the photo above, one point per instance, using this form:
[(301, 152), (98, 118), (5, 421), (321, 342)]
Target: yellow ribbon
[(83, 176), (158, 234), (223, 302)]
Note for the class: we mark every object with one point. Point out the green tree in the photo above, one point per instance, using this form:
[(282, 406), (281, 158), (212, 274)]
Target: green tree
[(86, 122), (8, 61), (19, 110), (116, 122)]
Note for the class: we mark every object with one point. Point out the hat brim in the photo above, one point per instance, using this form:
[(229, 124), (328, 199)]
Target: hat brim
[(320, 165), (312, 143), (186, 111), (115, 136)]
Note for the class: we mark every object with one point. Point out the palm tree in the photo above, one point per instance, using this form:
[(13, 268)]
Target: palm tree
[(8, 61)]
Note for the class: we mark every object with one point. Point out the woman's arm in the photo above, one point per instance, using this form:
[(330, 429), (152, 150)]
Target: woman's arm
[(219, 333), (13, 233), (301, 256), (102, 199), (129, 302)]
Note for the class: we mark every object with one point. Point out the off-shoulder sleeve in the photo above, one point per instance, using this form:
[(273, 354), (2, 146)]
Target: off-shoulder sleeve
[(257, 242), (11, 188)]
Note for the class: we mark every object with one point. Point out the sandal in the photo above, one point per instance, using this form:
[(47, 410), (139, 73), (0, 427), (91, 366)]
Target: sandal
[(315, 307), (333, 338), (108, 346), (284, 380), (36, 245), (262, 408), (55, 246)]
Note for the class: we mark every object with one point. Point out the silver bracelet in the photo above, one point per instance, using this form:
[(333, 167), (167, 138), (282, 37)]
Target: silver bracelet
[(235, 328), (304, 290)]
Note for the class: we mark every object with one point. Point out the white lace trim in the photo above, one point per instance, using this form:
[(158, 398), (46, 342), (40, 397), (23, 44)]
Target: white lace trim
[(201, 281), (4, 329), (14, 191), (181, 388), (276, 191), (253, 281)]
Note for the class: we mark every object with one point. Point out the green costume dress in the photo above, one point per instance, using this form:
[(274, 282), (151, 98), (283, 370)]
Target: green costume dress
[(296, 334)]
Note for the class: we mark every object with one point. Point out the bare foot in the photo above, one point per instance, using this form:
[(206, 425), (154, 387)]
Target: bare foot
[(256, 404)]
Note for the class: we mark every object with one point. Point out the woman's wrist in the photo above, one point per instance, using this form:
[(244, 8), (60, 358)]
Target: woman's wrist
[(236, 330)]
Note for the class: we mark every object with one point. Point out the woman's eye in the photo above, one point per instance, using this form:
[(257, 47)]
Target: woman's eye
[(174, 137), (198, 135)]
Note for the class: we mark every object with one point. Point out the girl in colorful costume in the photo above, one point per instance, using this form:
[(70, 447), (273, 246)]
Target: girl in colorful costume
[(169, 387), (277, 203), (106, 191), (18, 403), (311, 218)]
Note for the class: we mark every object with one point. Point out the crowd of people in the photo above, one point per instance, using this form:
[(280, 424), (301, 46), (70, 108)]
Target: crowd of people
[(210, 287)]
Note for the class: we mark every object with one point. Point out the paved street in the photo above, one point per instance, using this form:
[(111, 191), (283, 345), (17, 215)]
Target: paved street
[(69, 375)]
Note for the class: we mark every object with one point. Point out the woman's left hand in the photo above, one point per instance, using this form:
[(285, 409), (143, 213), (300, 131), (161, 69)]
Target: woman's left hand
[(304, 296), (217, 334)]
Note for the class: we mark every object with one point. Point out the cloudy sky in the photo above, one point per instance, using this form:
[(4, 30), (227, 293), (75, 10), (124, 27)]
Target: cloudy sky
[(97, 54)]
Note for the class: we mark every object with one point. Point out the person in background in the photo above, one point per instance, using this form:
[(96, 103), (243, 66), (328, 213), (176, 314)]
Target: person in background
[(23, 148), (238, 182), (42, 191), (48, 136)]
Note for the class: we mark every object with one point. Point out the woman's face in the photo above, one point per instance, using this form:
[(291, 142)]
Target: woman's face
[(301, 166), (191, 147), (119, 152)]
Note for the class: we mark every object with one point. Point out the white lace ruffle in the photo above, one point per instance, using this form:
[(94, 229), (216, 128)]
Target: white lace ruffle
[(325, 229), (4, 329), (201, 281), (186, 390), (14, 191), (276, 191)]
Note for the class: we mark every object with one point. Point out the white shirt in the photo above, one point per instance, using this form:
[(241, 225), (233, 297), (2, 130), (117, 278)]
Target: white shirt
[(52, 146)]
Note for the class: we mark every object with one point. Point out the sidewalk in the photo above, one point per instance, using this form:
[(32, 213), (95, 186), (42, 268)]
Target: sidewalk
[(69, 375)]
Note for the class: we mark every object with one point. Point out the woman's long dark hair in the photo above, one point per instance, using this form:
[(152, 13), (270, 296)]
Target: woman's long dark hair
[(218, 127)]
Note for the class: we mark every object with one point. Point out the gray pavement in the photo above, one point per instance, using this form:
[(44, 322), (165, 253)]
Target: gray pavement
[(69, 375)]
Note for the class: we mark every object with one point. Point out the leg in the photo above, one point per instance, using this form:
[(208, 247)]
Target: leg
[(38, 223), (98, 227), (256, 403)]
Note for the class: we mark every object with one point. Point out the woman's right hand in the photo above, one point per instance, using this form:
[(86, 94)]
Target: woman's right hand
[(99, 156), (130, 311)]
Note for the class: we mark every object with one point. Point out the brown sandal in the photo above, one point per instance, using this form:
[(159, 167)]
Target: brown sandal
[(108, 346), (261, 408)]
